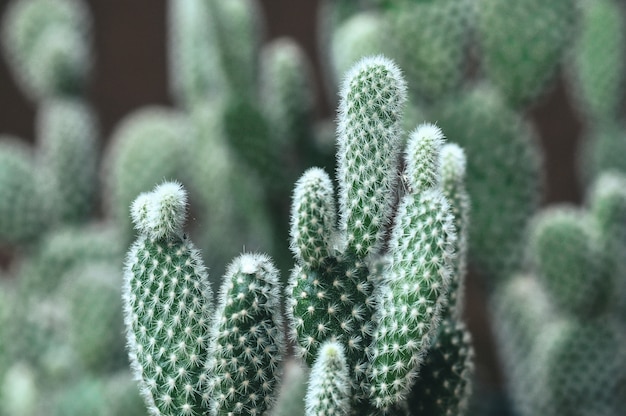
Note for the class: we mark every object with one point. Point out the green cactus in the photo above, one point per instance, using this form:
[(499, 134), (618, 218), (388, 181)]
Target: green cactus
[(521, 313), (287, 96), (246, 344), (503, 176), (329, 388), (194, 70), (67, 146), (428, 40), (46, 43), (565, 248), (601, 149), (583, 368), (167, 306), (443, 384), (93, 294), (21, 211), (421, 246), (452, 169), (523, 43), (380, 300), (597, 62), (236, 32), (608, 207), (373, 97), (148, 146)]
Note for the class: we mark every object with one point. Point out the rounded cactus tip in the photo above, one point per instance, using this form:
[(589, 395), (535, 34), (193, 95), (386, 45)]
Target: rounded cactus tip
[(253, 264), (160, 213), (376, 63), (453, 160)]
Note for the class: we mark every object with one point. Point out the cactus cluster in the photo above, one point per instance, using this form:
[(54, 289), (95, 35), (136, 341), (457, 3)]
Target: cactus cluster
[(364, 302), (559, 326)]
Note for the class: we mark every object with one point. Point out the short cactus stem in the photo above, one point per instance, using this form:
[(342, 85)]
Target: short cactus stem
[(167, 306), (372, 100), (246, 339), (329, 386)]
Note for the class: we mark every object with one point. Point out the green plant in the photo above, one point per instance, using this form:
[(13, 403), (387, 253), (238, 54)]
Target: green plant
[(381, 300)]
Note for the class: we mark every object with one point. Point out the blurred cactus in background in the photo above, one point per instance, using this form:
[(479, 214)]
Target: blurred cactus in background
[(376, 305)]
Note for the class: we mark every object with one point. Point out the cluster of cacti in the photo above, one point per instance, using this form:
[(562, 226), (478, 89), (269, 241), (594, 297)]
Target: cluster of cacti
[(366, 318), (375, 300), (560, 327)]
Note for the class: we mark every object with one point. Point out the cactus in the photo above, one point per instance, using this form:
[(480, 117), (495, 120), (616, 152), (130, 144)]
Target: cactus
[(503, 176), (21, 214), (46, 43), (68, 155), (329, 389), (559, 330), (194, 71), (246, 344), (350, 285), (523, 43), (443, 384), (565, 248), (428, 41), (597, 62), (167, 305), (95, 309)]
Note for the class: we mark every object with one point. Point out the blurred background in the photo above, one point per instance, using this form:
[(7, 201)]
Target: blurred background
[(130, 72)]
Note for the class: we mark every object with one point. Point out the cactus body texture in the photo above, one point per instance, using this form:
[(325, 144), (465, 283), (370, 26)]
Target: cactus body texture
[(443, 384), (566, 250), (246, 339), (167, 306), (422, 247)]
